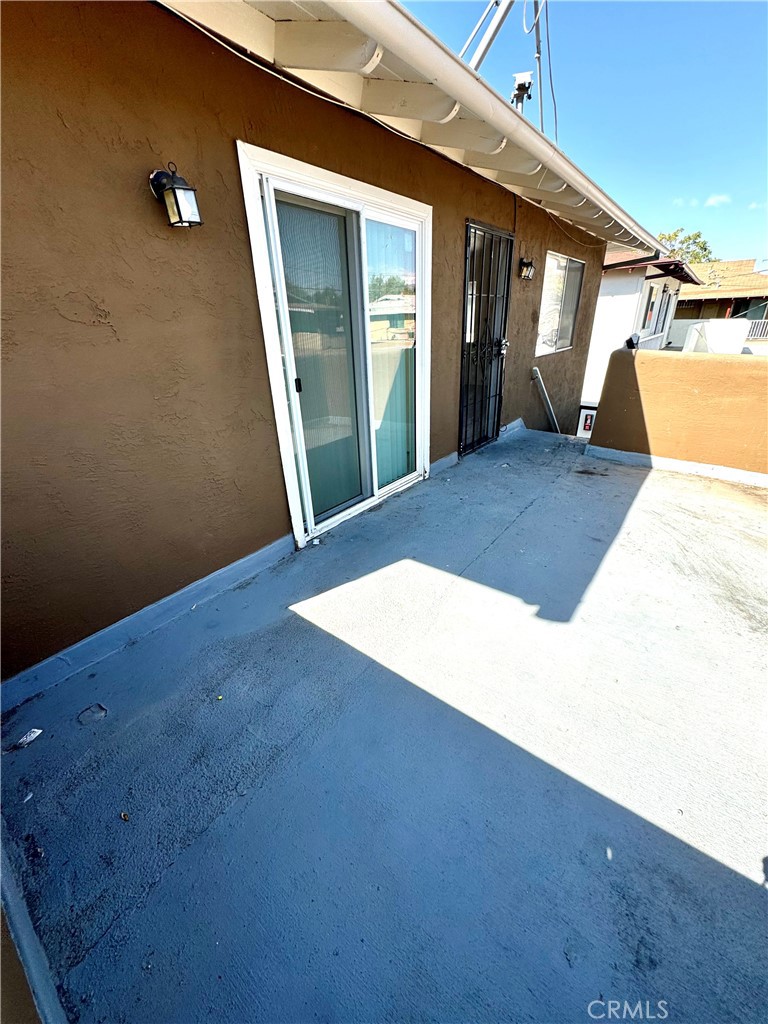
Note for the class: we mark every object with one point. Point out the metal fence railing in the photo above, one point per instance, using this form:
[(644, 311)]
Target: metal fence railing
[(758, 330)]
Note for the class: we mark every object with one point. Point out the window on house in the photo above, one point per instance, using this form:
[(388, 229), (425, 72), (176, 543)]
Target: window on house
[(750, 309), (559, 303), (661, 319), (655, 310), (650, 306)]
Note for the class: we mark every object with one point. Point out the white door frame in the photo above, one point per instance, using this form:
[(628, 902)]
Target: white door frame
[(264, 172)]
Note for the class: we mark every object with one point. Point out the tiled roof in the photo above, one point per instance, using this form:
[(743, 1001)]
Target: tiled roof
[(726, 279)]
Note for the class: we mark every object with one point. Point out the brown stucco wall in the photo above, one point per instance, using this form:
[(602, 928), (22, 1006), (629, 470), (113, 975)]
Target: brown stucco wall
[(698, 407), (140, 448), (562, 372)]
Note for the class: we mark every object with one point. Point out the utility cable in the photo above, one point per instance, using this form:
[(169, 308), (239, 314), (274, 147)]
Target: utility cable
[(549, 66), (347, 106), (579, 241), (535, 20), (290, 80)]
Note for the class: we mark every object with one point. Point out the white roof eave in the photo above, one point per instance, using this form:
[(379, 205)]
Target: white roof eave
[(341, 58)]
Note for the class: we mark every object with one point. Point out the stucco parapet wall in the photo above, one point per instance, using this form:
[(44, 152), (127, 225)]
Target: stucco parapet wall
[(694, 407)]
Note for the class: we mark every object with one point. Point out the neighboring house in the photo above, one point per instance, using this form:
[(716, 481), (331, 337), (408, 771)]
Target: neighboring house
[(730, 288), (391, 315), (638, 296), (176, 400)]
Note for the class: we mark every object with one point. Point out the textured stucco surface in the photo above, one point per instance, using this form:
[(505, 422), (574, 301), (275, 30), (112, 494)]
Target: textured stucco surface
[(140, 450), (563, 372), (488, 753), (697, 407)]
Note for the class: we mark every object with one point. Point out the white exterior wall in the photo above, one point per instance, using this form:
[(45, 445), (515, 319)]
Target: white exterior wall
[(616, 316), (620, 308)]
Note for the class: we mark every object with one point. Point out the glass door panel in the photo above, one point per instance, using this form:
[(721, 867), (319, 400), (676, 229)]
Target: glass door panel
[(316, 268), (391, 275)]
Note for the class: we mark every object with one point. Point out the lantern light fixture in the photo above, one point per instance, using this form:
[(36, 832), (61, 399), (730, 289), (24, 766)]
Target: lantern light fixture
[(527, 269), (179, 197)]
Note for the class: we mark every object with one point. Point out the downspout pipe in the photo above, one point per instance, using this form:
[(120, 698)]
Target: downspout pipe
[(536, 375), (397, 30)]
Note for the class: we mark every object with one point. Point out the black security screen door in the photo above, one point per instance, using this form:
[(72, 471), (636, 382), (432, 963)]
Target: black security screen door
[(486, 302)]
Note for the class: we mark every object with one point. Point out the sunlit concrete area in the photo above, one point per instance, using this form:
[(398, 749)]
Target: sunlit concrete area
[(494, 751)]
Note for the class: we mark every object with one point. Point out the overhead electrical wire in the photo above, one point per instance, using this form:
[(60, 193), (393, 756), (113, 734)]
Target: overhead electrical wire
[(287, 79), (262, 66), (543, 9), (587, 245), (549, 66), (535, 20)]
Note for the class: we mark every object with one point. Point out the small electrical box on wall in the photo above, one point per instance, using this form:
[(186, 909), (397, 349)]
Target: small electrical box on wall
[(586, 421)]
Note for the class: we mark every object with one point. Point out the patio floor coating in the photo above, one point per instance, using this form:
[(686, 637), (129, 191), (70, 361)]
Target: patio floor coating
[(488, 753)]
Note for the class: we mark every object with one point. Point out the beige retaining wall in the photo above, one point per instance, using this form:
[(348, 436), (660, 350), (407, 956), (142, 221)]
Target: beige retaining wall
[(703, 408)]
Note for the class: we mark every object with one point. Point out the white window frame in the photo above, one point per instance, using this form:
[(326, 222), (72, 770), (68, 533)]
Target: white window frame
[(662, 313), (645, 305), (262, 173), (663, 302), (545, 350)]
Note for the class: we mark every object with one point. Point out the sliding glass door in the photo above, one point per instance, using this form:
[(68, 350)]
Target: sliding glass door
[(316, 270), (391, 271), (346, 282)]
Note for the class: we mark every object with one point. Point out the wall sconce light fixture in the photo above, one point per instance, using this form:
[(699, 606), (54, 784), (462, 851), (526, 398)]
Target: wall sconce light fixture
[(178, 195), (527, 270)]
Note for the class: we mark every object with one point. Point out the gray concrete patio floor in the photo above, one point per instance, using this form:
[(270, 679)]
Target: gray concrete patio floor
[(488, 753)]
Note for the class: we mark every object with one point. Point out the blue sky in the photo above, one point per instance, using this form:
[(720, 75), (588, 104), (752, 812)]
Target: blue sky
[(663, 104)]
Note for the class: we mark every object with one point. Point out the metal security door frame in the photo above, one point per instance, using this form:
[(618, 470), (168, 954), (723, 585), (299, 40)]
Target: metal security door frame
[(500, 272), (263, 173)]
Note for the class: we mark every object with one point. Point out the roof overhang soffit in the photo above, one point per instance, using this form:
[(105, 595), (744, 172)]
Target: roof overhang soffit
[(431, 97)]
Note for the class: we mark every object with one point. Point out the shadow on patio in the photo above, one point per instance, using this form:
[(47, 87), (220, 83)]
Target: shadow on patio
[(423, 795)]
